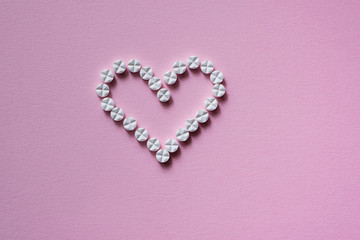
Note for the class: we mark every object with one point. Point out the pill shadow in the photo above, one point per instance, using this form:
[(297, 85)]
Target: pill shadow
[(196, 133), (143, 143), (215, 113), (166, 165), (187, 142), (175, 85), (176, 154), (223, 99), (168, 103), (195, 71), (206, 124), (124, 75)]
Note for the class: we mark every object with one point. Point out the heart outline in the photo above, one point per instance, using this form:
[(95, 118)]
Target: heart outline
[(146, 73)]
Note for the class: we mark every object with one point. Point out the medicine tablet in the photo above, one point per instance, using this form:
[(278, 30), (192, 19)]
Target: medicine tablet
[(182, 134), (162, 156), (163, 95), (218, 90), (202, 116), (179, 67), (141, 134), (170, 77), (191, 125), (134, 65), (211, 104), (171, 145), (117, 114), (207, 67), (154, 83), (107, 104), (216, 77), (102, 90), (193, 62), (119, 66), (107, 76), (146, 73), (129, 123), (153, 144)]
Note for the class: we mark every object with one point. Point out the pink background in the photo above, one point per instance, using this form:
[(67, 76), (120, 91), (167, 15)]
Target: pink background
[(280, 160)]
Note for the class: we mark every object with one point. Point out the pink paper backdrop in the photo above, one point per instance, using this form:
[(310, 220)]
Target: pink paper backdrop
[(280, 160)]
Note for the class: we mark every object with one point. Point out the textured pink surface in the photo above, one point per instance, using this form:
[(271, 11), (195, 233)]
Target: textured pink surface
[(281, 159)]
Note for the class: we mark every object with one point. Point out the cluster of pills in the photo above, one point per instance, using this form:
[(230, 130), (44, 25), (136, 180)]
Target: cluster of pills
[(164, 95)]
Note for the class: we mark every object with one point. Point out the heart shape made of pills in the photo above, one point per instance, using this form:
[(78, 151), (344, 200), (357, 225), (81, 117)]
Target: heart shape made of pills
[(164, 95)]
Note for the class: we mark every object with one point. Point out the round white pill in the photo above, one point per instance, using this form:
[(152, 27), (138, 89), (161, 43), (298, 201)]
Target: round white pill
[(179, 67), (191, 125), (202, 116), (141, 134), (171, 145), (218, 90), (107, 104), (117, 114), (134, 65), (163, 95), (207, 66), (146, 73), (107, 76), (153, 144), (154, 83), (211, 104), (102, 90), (216, 77), (119, 66), (162, 156), (170, 77), (193, 62), (182, 134), (129, 123)]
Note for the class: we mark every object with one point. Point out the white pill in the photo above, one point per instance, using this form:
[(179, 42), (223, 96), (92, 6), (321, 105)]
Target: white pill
[(182, 134), (202, 116), (129, 123), (119, 66), (134, 65), (216, 77), (179, 67), (211, 104), (171, 145), (218, 90), (170, 77), (162, 156), (107, 76), (207, 67), (193, 62), (102, 90), (117, 114), (107, 104), (141, 134), (191, 125), (154, 83), (163, 95), (153, 144), (146, 73)]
